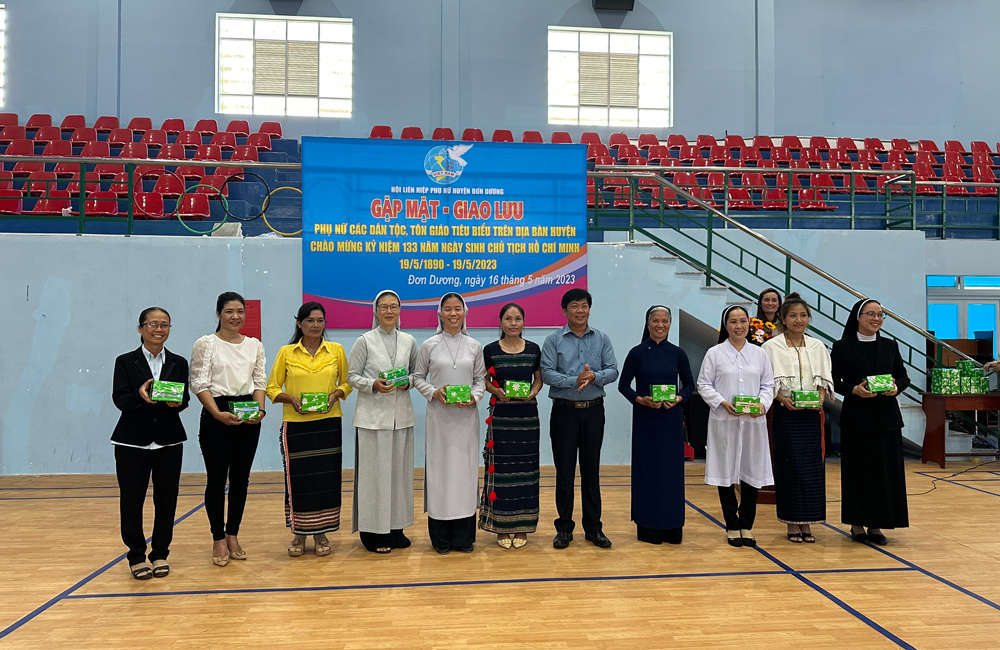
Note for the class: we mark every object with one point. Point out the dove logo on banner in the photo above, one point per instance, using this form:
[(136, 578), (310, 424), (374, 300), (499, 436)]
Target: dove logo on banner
[(444, 165)]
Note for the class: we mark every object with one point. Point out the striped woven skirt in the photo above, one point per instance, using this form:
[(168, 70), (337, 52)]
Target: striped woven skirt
[(509, 499), (799, 470), (311, 456)]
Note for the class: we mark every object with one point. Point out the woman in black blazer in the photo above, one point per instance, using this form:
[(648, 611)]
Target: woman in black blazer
[(148, 440), (872, 479)]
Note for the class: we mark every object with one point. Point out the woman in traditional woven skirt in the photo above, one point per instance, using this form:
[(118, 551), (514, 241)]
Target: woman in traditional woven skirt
[(384, 419), (737, 450), (508, 505), (657, 430), (309, 377), (872, 478), (451, 358), (800, 363)]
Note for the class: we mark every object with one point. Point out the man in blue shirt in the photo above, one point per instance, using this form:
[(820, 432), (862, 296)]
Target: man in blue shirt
[(577, 361)]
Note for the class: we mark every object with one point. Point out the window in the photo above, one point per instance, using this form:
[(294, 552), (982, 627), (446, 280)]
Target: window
[(3, 51), (610, 77), (283, 66)]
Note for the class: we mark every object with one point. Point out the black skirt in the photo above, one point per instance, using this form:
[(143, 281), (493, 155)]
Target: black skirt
[(798, 466), (872, 478)]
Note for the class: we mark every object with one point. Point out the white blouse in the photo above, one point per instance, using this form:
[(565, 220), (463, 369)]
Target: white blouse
[(805, 367), (227, 369)]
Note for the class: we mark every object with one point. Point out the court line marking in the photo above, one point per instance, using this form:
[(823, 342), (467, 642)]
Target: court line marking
[(463, 583), (65, 593), (820, 590), (970, 487)]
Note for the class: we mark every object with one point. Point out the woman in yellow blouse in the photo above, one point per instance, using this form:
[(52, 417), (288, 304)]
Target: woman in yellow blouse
[(310, 378)]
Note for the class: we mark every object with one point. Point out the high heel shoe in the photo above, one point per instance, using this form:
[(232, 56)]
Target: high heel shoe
[(323, 547), (220, 560), (236, 555), (297, 547)]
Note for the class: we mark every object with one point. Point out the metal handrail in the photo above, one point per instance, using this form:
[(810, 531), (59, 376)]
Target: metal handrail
[(150, 161), (787, 253)]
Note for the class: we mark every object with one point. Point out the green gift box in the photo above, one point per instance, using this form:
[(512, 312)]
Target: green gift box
[(970, 386), (966, 365), (245, 410), (806, 398), (663, 392), (458, 394), (516, 388), (748, 404), (879, 383), (314, 402), (166, 391), (395, 377), (946, 381)]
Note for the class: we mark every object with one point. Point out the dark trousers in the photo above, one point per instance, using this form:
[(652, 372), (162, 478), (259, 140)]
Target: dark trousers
[(134, 467), (573, 430), (739, 516), (228, 451), (452, 533)]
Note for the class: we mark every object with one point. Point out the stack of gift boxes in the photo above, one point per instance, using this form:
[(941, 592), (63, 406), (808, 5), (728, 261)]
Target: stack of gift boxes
[(966, 378)]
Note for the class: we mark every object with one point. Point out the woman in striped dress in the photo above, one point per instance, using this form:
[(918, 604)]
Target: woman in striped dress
[(509, 500), (310, 439)]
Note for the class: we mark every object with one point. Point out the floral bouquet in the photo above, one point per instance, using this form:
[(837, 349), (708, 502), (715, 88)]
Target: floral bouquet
[(760, 331)]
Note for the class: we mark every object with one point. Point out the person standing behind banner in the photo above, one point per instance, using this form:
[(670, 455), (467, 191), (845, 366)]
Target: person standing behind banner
[(872, 477), (148, 440), (451, 462), (737, 450), (800, 363), (310, 442), (577, 362), (384, 420), (657, 430), (228, 367)]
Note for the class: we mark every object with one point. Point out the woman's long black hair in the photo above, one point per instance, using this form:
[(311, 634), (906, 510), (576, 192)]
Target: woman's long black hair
[(221, 301), (303, 314)]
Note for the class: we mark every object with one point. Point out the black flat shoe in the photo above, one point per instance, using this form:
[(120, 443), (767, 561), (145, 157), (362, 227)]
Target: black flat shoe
[(442, 551), (598, 539), (878, 538), (734, 541), (749, 542), (861, 537), (562, 540), (467, 549)]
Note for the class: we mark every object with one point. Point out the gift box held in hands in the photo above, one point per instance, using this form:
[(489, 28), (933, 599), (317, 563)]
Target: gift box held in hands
[(395, 377), (516, 388), (166, 391), (245, 410), (747, 404), (458, 394), (879, 383), (806, 399), (663, 392), (314, 402)]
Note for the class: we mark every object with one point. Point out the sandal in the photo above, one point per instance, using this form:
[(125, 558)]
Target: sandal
[(141, 571), (160, 569), (808, 538), (297, 547), (795, 538), (520, 541), (383, 550), (323, 547), (505, 541)]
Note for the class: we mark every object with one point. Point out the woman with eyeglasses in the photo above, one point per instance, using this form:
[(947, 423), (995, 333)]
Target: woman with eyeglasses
[(383, 421), (310, 440), (228, 367), (872, 479), (148, 441)]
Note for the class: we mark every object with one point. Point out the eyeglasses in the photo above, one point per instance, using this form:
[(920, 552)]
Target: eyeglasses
[(874, 314), (388, 307), (157, 326)]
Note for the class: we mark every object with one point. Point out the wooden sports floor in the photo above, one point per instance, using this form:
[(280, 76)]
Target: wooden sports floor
[(64, 583)]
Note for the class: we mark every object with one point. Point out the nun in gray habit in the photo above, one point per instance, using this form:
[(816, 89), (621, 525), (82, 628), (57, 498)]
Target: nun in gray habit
[(383, 444), (451, 464)]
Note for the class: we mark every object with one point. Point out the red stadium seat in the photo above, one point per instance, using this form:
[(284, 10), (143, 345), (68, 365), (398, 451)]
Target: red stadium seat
[(101, 204), (120, 184), (955, 146), (532, 136), (647, 140), (925, 172), (792, 142), (628, 150), (868, 156), (705, 141), (213, 181), (847, 145), (472, 134), (812, 199), (225, 140), (603, 160), (54, 203), (880, 180), (775, 198), (71, 123), (120, 137), (955, 158), (561, 137), (191, 172), (93, 183), (140, 125), (169, 185), (83, 135), (245, 153), (899, 157), (595, 150), (716, 181), (6, 180), (982, 158), (639, 160), (58, 148), (753, 181), (838, 156), (741, 199), (239, 127), (825, 182), (229, 172), (189, 139), (443, 133), (46, 134), (617, 140), (109, 170), (819, 143), (381, 132), (106, 123), (658, 152), (690, 153), (147, 205), (40, 182), (134, 150), (952, 173), (732, 162), (589, 137), (412, 133), (748, 154), (503, 135), (984, 174), (977, 146), (262, 141), (781, 154), (929, 146), (172, 151), (154, 138), (37, 121), (874, 144), (207, 127), (782, 181), (862, 165), (860, 184), (173, 126), (67, 169), (649, 190), (194, 206), (762, 142), (10, 201), (901, 144), (735, 142), (685, 180), (8, 119), (11, 133), (272, 129), (210, 152)]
